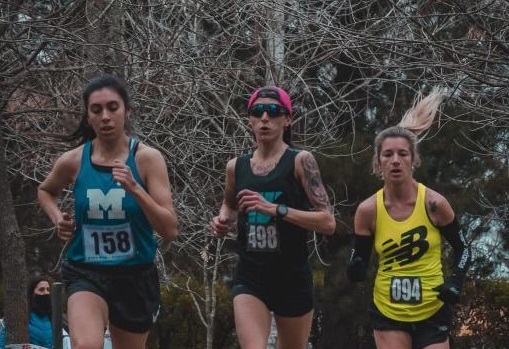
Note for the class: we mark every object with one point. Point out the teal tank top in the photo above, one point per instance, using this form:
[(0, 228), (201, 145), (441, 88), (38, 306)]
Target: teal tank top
[(263, 240), (111, 228)]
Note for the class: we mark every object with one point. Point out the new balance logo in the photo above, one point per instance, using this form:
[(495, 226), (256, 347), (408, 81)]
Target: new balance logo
[(413, 246)]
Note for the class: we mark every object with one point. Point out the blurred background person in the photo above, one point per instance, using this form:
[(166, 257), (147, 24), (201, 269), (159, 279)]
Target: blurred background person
[(39, 317), (39, 314)]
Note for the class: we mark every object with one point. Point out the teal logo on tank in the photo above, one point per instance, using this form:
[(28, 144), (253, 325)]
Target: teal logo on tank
[(255, 217)]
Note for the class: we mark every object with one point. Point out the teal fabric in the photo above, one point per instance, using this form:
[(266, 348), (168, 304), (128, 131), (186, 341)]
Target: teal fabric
[(125, 236), (2, 334), (40, 330)]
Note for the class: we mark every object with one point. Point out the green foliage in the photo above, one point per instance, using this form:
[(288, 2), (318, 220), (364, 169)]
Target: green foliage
[(497, 291), (484, 310), (179, 325)]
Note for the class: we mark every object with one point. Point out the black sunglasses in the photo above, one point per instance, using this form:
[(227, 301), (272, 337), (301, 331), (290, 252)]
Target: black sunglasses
[(273, 110)]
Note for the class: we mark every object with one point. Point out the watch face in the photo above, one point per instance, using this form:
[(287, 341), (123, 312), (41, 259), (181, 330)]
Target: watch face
[(282, 210)]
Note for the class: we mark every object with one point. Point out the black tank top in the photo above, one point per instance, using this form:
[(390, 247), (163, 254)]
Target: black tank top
[(265, 240)]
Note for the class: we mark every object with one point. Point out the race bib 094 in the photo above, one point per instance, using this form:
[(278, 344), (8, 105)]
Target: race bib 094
[(406, 289)]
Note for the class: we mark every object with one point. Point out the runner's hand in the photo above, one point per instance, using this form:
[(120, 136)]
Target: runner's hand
[(449, 292), (65, 227), (220, 226)]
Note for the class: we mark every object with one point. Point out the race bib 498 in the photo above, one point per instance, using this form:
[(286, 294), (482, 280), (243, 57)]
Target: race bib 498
[(262, 238)]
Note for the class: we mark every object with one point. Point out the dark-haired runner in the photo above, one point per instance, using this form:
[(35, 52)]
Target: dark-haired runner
[(122, 195)]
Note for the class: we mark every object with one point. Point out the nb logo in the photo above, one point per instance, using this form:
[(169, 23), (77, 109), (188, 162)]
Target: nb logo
[(413, 246)]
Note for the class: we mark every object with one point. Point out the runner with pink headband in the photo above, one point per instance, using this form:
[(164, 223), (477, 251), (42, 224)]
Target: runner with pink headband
[(274, 197), (271, 92)]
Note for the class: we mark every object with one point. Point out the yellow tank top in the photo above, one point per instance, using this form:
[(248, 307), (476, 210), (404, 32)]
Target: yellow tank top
[(409, 267)]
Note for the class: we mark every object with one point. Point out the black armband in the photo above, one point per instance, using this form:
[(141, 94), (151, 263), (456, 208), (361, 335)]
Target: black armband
[(461, 251), (358, 265)]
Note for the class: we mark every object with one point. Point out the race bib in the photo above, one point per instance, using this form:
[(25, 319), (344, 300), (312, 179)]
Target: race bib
[(262, 238), (108, 243), (406, 289)]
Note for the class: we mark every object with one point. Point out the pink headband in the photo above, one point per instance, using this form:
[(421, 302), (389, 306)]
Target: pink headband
[(274, 92)]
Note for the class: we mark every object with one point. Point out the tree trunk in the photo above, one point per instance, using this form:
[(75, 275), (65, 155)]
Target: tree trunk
[(103, 52), (12, 251), (276, 44)]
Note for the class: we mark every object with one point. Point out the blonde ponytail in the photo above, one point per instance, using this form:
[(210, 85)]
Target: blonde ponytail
[(416, 120), (420, 117)]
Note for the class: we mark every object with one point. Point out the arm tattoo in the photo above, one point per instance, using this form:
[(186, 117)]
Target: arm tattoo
[(313, 185), (433, 206)]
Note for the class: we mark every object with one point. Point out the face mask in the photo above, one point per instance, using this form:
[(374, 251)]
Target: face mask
[(41, 304)]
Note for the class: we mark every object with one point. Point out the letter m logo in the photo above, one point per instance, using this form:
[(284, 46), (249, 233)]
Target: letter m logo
[(109, 204)]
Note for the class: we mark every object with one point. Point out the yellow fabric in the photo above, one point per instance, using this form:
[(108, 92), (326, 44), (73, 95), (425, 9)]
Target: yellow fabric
[(409, 267)]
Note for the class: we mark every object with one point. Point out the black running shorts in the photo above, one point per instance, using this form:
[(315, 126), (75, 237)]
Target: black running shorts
[(131, 292), (433, 330), (287, 293)]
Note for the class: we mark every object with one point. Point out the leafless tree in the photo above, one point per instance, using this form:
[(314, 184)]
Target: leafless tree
[(349, 65)]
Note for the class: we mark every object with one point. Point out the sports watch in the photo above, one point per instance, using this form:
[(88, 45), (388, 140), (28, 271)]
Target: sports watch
[(281, 211)]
